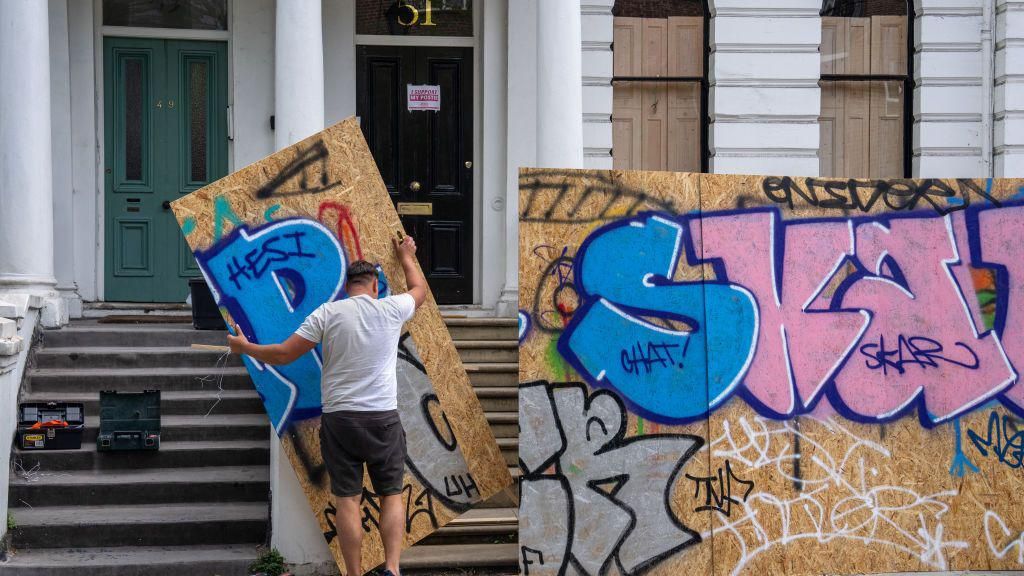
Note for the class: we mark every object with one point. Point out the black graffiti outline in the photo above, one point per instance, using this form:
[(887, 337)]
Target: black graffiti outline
[(407, 356), (314, 472), (723, 501), (540, 320), (315, 153), (330, 514), (845, 194), (616, 442), (526, 562), (537, 182)]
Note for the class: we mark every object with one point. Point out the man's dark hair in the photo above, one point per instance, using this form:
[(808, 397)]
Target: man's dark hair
[(360, 273)]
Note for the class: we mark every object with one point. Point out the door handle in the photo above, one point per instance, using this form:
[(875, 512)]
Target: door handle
[(166, 204), (414, 186)]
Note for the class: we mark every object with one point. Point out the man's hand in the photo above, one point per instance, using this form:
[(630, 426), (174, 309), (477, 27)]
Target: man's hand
[(238, 342), (406, 248), (406, 251)]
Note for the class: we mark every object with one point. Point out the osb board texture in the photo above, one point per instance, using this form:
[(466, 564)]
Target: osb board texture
[(827, 494), (356, 184)]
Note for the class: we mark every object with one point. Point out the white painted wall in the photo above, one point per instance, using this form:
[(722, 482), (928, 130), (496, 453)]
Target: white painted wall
[(60, 122), (252, 84), (1009, 89), (339, 60), (764, 99), (19, 316), (86, 165), (597, 21), (949, 96), (492, 81), (522, 131)]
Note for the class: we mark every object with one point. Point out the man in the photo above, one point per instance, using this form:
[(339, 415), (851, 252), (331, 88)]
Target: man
[(360, 423)]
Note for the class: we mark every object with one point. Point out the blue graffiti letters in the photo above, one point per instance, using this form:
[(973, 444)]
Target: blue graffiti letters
[(625, 272), (285, 270)]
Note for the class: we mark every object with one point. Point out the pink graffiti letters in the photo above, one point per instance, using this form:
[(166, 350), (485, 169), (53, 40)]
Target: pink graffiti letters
[(877, 315)]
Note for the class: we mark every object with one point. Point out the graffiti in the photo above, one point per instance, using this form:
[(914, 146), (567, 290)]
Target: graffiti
[(286, 270), (838, 500), (720, 500), (557, 297), (897, 303), (865, 195), (291, 268), (344, 227), (617, 286), (1003, 438), (531, 557), (961, 464), (999, 549), (330, 515), (222, 212), (524, 325), (299, 167), (415, 506), (573, 503), (188, 225), (842, 344), (915, 351), (544, 200), (432, 452)]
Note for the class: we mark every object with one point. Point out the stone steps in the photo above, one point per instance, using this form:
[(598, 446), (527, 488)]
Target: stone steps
[(170, 455), (140, 525), (146, 486), (199, 504), (172, 402), (198, 560)]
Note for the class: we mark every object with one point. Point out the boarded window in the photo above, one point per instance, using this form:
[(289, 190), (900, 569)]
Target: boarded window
[(656, 124), (864, 70)]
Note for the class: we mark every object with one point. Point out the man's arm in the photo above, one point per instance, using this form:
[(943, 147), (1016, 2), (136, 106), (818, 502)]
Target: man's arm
[(406, 250), (274, 354)]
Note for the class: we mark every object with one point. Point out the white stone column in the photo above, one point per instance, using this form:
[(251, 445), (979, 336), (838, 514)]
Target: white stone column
[(522, 126), (1009, 89), (949, 95), (299, 112), (559, 85), (764, 99), (26, 180), (63, 198), (298, 71)]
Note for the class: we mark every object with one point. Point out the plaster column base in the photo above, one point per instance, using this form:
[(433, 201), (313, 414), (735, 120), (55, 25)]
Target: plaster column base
[(53, 309), (508, 302)]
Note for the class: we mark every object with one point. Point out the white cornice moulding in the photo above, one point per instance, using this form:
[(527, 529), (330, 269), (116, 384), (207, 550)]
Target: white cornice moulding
[(946, 117), (951, 151), (764, 152), (763, 48)]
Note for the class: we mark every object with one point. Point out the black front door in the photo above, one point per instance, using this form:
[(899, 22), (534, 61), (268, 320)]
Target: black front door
[(424, 156)]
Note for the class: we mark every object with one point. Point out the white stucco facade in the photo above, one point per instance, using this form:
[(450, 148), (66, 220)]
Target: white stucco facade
[(543, 96)]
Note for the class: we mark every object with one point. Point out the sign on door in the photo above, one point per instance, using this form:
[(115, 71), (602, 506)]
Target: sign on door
[(423, 97)]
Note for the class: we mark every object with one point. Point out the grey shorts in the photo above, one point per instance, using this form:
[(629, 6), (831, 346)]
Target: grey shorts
[(349, 440)]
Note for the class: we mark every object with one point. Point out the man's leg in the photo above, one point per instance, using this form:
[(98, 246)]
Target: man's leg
[(392, 529), (350, 533)]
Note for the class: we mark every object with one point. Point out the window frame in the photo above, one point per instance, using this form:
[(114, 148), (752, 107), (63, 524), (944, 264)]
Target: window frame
[(908, 89), (704, 125)]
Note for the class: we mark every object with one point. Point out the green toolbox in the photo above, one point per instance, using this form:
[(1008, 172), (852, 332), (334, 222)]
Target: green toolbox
[(129, 421)]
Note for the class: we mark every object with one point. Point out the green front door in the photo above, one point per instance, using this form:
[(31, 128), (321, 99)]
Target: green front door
[(165, 131)]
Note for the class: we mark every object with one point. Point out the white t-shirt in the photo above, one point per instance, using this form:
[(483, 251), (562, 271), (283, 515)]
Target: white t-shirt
[(360, 349)]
